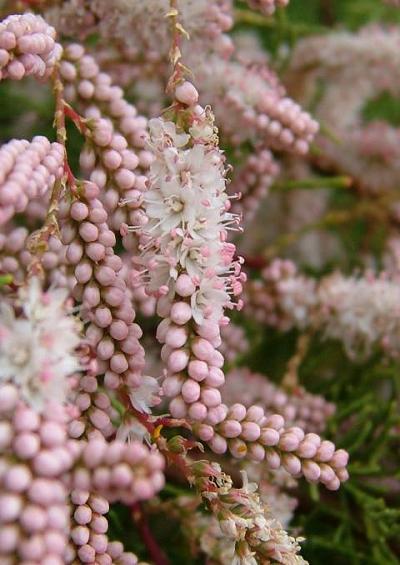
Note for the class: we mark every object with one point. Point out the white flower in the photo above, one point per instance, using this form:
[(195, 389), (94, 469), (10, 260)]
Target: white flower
[(164, 134), (133, 430), (146, 395), (37, 351)]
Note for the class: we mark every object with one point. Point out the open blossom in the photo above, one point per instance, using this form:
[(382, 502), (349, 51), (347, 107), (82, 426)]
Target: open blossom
[(187, 211), (33, 355), (146, 395)]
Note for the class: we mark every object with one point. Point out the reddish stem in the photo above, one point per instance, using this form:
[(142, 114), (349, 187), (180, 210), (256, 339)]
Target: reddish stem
[(156, 553)]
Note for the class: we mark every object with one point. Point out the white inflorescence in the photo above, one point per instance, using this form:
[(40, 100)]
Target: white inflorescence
[(34, 356)]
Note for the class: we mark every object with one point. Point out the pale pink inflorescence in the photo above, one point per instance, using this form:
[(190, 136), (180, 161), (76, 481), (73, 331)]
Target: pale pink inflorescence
[(124, 472), (240, 528), (359, 311), (109, 472), (111, 332), (27, 47), (190, 266), (367, 150), (141, 30), (248, 432), (282, 298), (253, 105), (35, 456), (298, 407), (252, 181), (114, 156), (15, 257), (28, 170)]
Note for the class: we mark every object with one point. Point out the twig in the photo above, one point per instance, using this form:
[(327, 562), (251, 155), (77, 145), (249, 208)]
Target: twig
[(156, 553)]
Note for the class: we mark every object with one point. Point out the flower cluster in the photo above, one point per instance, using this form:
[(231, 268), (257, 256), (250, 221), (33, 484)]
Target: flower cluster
[(120, 261), (189, 263)]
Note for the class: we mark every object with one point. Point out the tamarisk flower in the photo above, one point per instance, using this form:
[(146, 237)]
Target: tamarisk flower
[(362, 312), (283, 298), (33, 356), (248, 432), (251, 104), (35, 457), (27, 47), (101, 289), (189, 263), (88, 533), (141, 28), (252, 181), (241, 529), (28, 170), (359, 311), (368, 150), (297, 406), (114, 156)]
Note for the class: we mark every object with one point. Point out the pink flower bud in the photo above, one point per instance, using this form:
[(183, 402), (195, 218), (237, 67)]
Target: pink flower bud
[(237, 412), (325, 451), (202, 349), (210, 397), (184, 286), (230, 428), (198, 370), (178, 407), (178, 360), (190, 391), (80, 535), (181, 313), (26, 445), (238, 448), (339, 459), (289, 441), (215, 377), (187, 93), (311, 471), (250, 431), (10, 507), (176, 336), (8, 398), (198, 412), (291, 463), (218, 444), (255, 452), (89, 232)]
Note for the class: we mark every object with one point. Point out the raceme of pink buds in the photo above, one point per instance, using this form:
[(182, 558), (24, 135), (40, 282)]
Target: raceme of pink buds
[(125, 472), (35, 456), (89, 540), (111, 331), (27, 47), (248, 432), (28, 170), (252, 181), (114, 157)]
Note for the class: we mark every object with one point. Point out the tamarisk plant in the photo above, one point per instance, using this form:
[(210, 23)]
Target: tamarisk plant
[(168, 359)]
